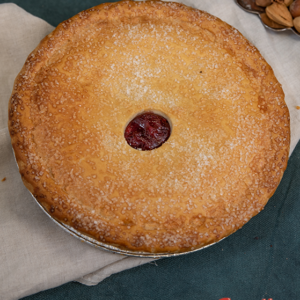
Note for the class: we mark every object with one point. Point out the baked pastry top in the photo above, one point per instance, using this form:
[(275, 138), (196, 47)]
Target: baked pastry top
[(95, 72)]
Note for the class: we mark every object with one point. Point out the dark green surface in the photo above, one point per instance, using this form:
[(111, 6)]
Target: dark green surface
[(55, 11), (259, 261)]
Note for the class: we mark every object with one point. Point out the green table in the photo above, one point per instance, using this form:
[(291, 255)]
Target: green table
[(259, 261)]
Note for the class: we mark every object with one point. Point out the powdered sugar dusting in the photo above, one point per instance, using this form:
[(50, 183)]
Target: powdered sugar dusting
[(211, 176)]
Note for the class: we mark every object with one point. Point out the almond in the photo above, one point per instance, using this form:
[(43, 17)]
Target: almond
[(296, 22), (263, 3), (285, 2), (280, 14), (288, 2), (266, 20)]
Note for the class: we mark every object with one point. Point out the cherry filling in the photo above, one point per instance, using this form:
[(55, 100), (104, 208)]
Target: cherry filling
[(147, 131)]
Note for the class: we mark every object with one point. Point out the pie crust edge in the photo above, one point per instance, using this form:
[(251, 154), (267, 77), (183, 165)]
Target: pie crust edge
[(232, 41)]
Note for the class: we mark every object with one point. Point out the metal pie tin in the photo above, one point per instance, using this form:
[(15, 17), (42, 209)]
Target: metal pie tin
[(251, 7), (108, 247)]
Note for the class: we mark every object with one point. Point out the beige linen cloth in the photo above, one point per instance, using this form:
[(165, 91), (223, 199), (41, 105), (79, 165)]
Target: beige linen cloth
[(35, 254)]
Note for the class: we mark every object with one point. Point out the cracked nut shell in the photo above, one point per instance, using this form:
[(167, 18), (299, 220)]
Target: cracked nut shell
[(280, 14)]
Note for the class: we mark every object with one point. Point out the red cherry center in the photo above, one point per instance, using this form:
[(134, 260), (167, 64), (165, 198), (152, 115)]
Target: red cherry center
[(147, 131)]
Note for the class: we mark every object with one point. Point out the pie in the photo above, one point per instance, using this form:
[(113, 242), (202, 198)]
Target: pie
[(79, 89)]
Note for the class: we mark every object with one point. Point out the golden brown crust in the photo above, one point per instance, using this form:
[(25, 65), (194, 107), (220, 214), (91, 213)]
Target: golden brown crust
[(77, 90)]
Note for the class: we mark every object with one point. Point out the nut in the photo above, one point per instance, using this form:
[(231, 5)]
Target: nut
[(296, 22), (285, 2), (267, 21), (288, 2), (263, 3), (280, 14), (295, 9)]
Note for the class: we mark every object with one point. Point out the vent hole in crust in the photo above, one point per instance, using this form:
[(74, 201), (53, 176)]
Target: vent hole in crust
[(147, 131)]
